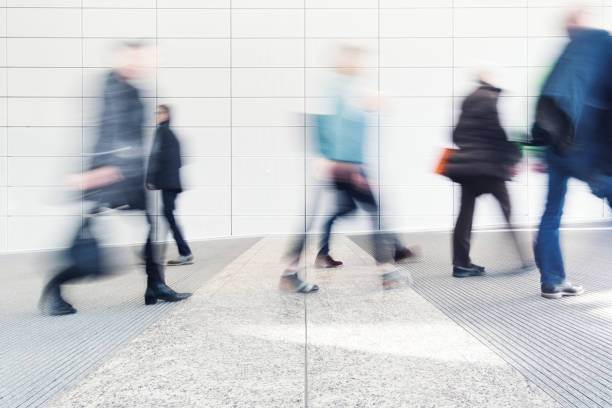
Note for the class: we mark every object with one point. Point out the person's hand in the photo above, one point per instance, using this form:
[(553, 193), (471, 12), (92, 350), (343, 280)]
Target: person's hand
[(100, 177), (151, 186), (360, 182), (539, 167)]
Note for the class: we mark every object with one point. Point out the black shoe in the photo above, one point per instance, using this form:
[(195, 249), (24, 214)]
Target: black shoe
[(326, 261), (53, 304), (465, 272), (161, 291), (480, 268), (563, 289)]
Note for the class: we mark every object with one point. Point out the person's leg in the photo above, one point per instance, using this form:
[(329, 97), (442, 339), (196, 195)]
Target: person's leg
[(500, 193), (168, 201), (463, 226), (344, 205), (547, 247), (156, 285), (51, 300)]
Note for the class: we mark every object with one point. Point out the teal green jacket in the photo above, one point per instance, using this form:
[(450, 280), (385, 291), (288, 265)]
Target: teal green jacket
[(342, 133)]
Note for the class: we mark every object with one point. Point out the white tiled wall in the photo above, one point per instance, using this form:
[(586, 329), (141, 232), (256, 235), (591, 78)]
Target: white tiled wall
[(240, 74)]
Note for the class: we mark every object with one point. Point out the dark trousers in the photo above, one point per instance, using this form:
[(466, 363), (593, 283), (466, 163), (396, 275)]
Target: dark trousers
[(348, 196), (169, 200), (471, 188)]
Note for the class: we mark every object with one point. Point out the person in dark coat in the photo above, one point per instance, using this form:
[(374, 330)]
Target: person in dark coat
[(115, 179), (164, 174), (484, 161)]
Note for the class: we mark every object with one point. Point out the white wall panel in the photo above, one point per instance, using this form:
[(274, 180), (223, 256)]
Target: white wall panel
[(120, 23), (416, 81), (267, 23), (44, 52), (267, 82), (267, 111), (44, 111), (193, 82), (43, 22), (45, 82), (194, 53), (416, 52), (500, 51), (42, 171), (490, 22), (341, 23), (416, 23), (44, 141), (193, 23), (204, 141)]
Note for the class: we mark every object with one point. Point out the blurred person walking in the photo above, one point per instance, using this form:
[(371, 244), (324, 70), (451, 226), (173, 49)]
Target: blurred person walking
[(115, 181), (164, 174), (574, 123), (482, 164), (341, 139)]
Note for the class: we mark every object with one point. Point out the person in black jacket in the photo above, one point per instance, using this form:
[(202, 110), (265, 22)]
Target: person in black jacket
[(483, 162), (164, 174), (115, 179)]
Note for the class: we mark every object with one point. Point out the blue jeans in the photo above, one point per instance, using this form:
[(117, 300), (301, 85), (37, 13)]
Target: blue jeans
[(547, 247)]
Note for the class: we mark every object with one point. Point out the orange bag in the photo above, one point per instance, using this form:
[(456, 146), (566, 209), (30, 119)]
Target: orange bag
[(441, 168)]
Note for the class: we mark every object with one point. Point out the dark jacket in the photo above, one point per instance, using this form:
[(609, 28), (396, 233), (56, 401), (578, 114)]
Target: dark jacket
[(165, 160), (120, 144), (484, 149)]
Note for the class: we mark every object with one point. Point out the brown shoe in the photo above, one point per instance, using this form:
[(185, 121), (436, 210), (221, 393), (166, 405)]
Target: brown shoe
[(327, 261)]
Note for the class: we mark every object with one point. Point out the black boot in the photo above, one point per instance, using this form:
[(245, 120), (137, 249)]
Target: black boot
[(160, 291), (52, 303)]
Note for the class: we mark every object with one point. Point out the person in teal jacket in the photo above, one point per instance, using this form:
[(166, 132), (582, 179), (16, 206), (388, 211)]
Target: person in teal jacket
[(341, 137)]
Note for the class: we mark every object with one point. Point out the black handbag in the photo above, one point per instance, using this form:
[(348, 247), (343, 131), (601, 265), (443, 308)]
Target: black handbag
[(85, 254)]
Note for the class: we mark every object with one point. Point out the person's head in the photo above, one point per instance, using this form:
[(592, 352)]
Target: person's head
[(130, 59), (162, 113), (577, 19), (348, 60), (486, 71)]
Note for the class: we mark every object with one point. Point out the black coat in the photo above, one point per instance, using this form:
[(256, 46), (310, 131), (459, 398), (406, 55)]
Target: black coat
[(484, 149), (165, 160), (120, 144)]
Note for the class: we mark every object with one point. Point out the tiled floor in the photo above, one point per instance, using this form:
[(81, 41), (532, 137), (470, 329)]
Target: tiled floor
[(239, 342)]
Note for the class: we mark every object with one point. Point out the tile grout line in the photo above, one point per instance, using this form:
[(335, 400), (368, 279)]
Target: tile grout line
[(305, 226), (231, 123)]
